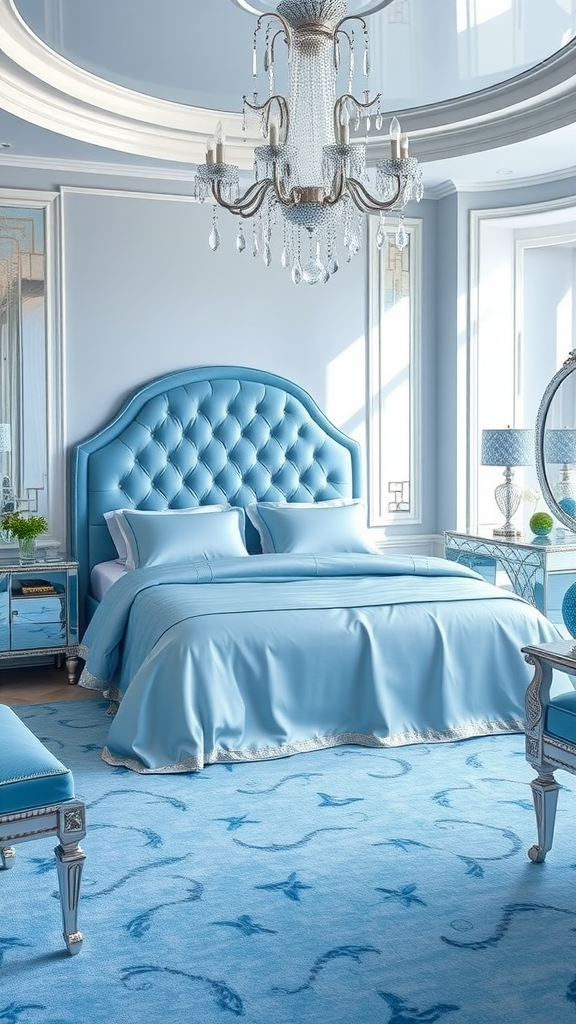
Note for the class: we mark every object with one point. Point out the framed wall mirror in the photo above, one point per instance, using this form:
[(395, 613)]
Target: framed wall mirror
[(556, 444), (31, 471)]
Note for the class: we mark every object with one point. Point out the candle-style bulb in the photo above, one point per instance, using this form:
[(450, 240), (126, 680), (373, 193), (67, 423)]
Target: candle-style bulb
[(344, 130), (210, 154), (273, 133), (395, 133), (403, 146), (220, 141)]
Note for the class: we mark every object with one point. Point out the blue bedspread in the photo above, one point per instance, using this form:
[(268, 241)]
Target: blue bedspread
[(259, 657)]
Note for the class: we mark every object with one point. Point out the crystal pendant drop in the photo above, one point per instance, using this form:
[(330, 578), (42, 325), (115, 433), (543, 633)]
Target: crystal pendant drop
[(284, 259), (314, 271), (334, 266), (214, 239), (296, 271), (240, 239), (267, 255), (325, 276), (401, 236)]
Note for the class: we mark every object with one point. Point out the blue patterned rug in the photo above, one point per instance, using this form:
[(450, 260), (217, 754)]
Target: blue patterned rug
[(347, 886)]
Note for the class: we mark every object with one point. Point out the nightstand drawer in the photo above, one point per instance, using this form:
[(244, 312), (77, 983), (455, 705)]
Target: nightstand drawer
[(29, 633), (39, 609)]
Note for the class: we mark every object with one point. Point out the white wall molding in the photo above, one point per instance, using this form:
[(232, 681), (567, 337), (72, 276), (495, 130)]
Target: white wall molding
[(42, 87), (421, 544), (92, 167)]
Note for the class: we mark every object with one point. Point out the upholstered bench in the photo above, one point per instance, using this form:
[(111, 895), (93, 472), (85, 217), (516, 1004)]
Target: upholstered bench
[(37, 800)]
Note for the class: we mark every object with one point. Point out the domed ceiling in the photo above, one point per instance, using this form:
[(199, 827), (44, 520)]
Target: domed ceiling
[(148, 77)]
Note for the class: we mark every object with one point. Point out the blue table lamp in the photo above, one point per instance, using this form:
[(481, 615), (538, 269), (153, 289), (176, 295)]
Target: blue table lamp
[(560, 449), (508, 448)]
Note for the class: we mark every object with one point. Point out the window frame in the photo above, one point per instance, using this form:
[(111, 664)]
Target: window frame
[(377, 485)]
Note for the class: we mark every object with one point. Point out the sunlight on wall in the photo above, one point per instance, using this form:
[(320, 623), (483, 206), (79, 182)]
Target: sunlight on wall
[(496, 369), (346, 390), (396, 325), (564, 326), (470, 13)]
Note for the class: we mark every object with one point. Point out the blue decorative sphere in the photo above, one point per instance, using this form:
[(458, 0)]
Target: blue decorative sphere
[(541, 523), (569, 610), (568, 505)]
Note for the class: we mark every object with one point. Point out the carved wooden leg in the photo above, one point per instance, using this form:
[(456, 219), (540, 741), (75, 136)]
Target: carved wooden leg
[(545, 797), (72, 668), (7, 856), (69, 863)]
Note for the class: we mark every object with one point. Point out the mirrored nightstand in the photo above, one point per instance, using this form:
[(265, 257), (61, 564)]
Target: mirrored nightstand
[(539, 569), (39, 608)]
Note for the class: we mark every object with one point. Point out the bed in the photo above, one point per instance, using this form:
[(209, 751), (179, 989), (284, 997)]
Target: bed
[(244, 613)]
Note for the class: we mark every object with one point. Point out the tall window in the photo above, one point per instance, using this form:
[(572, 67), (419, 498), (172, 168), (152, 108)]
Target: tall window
[(394, 491)]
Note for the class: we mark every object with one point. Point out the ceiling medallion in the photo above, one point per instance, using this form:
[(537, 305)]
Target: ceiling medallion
[(310, 179), (358, 8)]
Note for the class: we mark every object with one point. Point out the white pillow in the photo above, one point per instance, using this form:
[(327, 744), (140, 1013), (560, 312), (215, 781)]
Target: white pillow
[(116, 530), (322, 527), (161, 539), (116, 534)]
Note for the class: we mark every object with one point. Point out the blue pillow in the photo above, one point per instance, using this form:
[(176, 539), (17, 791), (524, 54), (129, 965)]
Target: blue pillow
[(163, 539), (117, 531), (316, 529)]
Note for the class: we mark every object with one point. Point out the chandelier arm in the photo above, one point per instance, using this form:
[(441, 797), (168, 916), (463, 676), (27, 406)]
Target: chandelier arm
[(248, 204), (351, 17), (359, 103), (336, 196), (274, 14), (284, 198), (282, 107), (273, 43), (367, 203)]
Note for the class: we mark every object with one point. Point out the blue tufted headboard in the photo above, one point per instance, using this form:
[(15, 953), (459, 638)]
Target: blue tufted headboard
[(206, 435)]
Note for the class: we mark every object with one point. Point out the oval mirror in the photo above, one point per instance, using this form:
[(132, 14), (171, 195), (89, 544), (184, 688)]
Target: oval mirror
[(556, 444)]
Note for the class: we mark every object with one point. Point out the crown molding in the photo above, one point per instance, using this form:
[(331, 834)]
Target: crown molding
[(451, 186), (46, 89), (59, 167)]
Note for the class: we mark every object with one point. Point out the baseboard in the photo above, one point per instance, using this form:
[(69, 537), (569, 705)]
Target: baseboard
[(422, 544)]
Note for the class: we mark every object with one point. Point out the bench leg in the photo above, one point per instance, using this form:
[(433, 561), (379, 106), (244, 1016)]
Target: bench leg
[(7, 856), (545, 797), (69, 863)]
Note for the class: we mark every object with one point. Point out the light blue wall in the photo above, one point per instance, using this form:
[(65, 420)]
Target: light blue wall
[(144, 295)]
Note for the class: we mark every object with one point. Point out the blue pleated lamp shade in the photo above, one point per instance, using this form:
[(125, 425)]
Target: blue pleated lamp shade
[(560, 446), (507, 447)]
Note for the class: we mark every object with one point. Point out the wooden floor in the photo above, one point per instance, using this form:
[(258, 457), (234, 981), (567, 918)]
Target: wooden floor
[(40, 684)]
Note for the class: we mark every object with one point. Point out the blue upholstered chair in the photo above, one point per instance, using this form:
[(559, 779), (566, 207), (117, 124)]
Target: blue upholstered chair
[(37, 800), (550, 734)]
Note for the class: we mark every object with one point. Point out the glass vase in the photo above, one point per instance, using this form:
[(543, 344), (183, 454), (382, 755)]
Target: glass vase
[(27, 549)]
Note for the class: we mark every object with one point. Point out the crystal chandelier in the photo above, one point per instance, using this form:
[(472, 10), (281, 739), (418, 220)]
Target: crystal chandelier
[(311, 180)]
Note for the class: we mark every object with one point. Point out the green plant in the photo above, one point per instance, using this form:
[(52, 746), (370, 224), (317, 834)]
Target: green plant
[(22, 526)]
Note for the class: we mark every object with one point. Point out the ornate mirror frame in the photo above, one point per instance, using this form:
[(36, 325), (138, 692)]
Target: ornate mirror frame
[(568, 367), (32, 363)]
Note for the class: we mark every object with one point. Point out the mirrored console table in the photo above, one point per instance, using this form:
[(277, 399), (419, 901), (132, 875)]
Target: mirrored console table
[(39, 608), (539, 569)]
